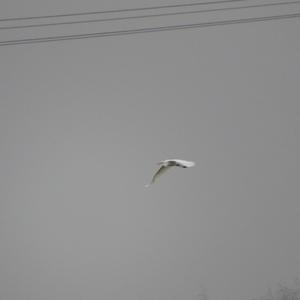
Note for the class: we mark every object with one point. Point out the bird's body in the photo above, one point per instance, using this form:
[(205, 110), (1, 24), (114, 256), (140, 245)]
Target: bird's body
[(167, 164)]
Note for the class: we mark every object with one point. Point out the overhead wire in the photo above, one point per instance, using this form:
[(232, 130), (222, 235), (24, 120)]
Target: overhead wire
[(148, 29), (120, 10), (151, 15)]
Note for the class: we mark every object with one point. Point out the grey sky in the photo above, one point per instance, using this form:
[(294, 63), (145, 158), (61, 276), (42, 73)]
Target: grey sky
[(82, 124)]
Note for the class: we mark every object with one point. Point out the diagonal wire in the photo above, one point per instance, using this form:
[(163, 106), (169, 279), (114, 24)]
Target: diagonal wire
[(147, 30), (119, 10), (151, 15)]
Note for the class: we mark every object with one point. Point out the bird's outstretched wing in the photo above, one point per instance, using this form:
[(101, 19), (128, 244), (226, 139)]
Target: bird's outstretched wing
[(160, 171), (183, 163)]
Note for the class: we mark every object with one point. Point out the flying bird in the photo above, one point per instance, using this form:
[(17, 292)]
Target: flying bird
[(167, 164)]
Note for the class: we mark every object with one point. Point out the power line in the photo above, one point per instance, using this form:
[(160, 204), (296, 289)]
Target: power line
[(147, 30), (151, 15), (120, 10)]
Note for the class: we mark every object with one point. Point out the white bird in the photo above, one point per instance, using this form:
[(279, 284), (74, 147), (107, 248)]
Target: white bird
[(167, 164)]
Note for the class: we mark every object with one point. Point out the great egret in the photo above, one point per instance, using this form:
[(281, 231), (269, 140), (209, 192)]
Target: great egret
[(167, 164)]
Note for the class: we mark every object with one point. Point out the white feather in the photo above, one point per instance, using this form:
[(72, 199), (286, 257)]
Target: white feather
[(167, 164)]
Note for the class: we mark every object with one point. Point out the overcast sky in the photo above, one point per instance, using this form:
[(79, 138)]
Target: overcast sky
[(82, 125)]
